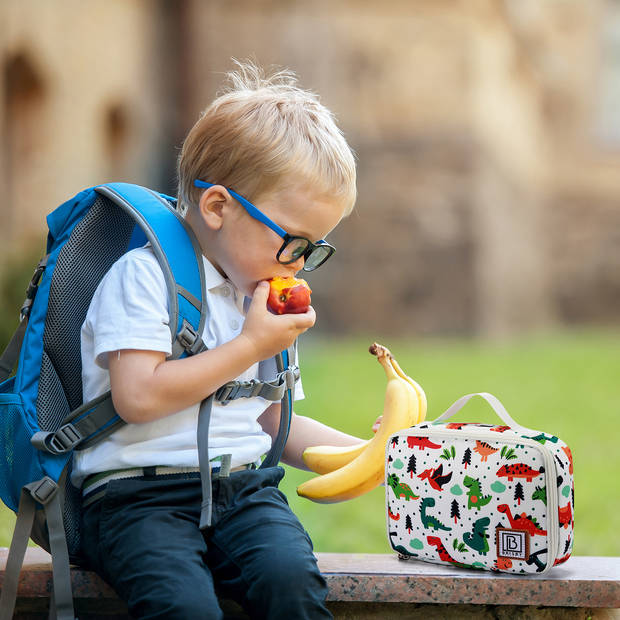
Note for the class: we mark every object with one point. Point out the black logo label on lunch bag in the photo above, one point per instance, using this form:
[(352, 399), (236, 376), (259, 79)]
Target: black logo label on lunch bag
[(513, 544)]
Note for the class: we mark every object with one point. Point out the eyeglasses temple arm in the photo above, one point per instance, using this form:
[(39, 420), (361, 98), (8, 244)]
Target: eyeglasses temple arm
[(249, 207)]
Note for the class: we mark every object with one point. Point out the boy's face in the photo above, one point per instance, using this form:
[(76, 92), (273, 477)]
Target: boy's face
[(247, 248)]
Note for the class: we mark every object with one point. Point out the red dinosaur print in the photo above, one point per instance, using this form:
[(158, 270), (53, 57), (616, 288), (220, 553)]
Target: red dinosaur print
[(522, 522), (500, 429), (562, 559), (421, 443), (519, 470), (503, 563), (444, 556), (484, 450), (436, 477), (565, 515), (570, 458), (394, 517), (456, 426)]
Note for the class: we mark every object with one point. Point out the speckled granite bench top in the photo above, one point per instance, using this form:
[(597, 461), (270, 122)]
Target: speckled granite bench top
[(580, 582)]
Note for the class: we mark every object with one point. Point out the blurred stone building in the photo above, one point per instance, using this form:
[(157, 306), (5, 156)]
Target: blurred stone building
[(486, 132)]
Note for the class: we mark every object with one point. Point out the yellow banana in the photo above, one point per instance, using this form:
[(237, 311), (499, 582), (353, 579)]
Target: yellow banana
[(323, 459), (367, 469), (423, 405)]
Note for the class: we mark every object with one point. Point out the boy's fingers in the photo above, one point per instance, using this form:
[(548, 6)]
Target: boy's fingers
[(262, 289), (261, 292), (306, 319)]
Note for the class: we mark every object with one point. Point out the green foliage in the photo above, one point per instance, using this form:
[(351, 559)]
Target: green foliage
[(459, 546), (15, 274), (508, 453), (448, 454)]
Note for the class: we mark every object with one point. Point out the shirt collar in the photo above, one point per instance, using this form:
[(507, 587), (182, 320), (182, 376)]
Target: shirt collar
[(215, 280)]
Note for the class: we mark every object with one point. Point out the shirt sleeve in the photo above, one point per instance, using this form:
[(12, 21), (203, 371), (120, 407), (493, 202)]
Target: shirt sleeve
[(129, 309)]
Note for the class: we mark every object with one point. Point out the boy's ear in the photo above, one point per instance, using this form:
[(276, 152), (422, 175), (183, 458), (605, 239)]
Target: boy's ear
[(211, 206)]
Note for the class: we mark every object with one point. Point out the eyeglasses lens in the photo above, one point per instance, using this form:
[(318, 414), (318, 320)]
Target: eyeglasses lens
[(293, 250), (317, 257)]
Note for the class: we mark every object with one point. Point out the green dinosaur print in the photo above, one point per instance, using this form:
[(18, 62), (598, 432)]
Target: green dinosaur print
[(475, 499), (399, 548), (541, 494), (478, 539), (542, 438), (400, 488), (428, 521)]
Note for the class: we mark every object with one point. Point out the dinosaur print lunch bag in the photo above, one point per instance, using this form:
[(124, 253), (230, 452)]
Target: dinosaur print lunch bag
[(498, 498)]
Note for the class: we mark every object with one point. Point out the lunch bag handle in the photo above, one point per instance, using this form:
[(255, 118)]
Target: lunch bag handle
[(496, 405)]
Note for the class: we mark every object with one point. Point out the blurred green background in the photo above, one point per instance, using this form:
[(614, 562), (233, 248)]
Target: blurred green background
[(564, 383)]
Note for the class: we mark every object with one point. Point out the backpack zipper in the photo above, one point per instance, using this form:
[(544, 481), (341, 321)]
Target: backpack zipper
[(550, 479)]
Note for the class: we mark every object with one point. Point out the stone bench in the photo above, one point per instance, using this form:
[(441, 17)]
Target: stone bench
[(364, 586)]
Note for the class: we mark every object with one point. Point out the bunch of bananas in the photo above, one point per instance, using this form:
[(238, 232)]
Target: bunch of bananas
[(350, 471)]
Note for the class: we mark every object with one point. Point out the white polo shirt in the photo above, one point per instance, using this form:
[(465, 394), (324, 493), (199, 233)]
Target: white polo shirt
[(129, 310)]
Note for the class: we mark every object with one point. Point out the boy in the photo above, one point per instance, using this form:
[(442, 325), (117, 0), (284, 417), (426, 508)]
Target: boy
[(278, 147)]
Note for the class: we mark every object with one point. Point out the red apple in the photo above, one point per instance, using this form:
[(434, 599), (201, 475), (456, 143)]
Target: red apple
[(288, 295)]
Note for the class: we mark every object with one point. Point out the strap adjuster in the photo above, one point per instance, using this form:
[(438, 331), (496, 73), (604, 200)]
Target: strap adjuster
[(33, 287), (189, 339), (288, 377), (65, 438), (44, 490)]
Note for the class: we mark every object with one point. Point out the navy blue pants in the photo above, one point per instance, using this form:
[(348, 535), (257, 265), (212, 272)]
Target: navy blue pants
[(143, 538)]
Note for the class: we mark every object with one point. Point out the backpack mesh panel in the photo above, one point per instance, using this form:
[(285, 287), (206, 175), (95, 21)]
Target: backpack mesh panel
[(9, 456), (95, 244), (72, 516), (52, 406)]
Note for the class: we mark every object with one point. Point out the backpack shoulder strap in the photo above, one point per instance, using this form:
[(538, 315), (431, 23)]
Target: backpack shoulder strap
[(179, 256), (285, 363)]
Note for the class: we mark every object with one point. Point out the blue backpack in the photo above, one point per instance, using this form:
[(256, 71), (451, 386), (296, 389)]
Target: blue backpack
[(42, 416)]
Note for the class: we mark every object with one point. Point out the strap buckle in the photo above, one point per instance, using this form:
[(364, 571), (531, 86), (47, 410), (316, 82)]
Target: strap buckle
[(238, 389), (224, 393), (272, 390), (43, 490)]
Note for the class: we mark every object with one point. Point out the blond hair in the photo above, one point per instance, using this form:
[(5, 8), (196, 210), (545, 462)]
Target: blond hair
[(259, 133)]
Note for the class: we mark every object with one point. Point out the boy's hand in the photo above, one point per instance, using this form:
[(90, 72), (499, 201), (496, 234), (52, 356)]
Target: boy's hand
[(377, 424), (270, 333)]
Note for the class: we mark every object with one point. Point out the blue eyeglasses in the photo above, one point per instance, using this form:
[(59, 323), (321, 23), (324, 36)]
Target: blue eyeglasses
[(294, 247)]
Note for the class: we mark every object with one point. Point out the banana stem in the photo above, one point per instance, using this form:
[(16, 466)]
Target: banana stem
[(384, 356)]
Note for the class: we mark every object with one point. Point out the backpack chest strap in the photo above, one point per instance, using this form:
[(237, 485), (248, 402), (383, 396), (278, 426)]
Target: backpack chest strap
[(269, 390)]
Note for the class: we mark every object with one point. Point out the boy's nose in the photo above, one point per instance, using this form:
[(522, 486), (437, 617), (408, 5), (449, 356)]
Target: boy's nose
[(298, 265)]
